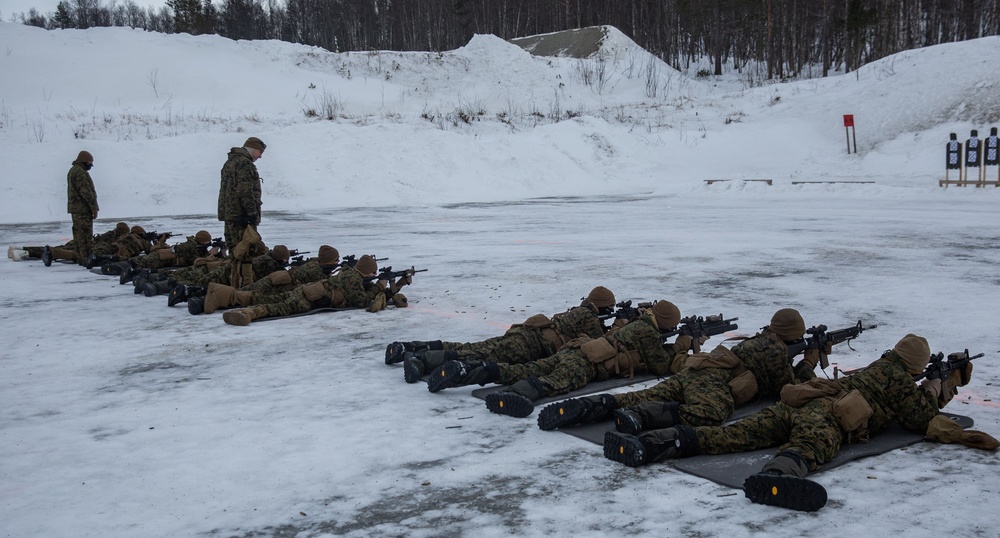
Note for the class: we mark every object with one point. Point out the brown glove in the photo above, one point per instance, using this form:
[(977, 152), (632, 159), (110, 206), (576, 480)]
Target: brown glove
[(810, 357), (945, 430), (378, 303), (683, 343), (399, 301)]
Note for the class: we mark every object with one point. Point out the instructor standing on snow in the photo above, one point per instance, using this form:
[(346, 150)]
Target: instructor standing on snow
[(239, 192), (82, 205)]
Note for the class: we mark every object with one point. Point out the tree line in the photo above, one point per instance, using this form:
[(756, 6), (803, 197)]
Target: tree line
[(792, 38)]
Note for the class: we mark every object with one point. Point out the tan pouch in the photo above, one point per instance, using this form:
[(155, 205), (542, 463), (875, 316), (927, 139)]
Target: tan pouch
[(623, 364), (796, 395), (314, 291), (538, 321), (280, 278), (166, 254), (743, 387), (720, 357), (852, 411), (337, 299), (598, 350)]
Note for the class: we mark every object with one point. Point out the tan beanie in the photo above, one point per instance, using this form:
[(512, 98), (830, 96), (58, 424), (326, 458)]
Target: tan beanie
[(121, 229), (601, 297), (328, 255), (202, 237), (138, 230), (666, 314), (914, 351), (788, 324), (255, 143), (280, 253), (84, 157), (366, 265)]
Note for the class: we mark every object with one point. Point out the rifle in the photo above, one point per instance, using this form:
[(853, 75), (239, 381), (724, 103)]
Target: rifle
[(351, 260), (697, 327), (938, 368), (296, 252), (153, 236), (819, 338), (624, 310), (386, 273), (217, 242)]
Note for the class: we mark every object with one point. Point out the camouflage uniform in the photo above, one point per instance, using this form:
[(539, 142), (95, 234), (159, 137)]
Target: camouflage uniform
[(221, 273), (812, 431), (570, 369), (132, 245), (82, 206), (307, 273), (103, 244), (239, 195), (525, 343), (348, 284), (704, 395), (180, 255)]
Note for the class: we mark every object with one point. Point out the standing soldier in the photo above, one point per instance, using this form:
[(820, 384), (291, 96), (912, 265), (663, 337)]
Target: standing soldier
[(239, 191), (82, 205)]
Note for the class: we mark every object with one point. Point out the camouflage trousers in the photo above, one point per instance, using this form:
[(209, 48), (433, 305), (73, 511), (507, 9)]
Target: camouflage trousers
[(266, 287), (517, 346), (83, 236), (563, 372), (284, 304), (200, 276), (234, 234), (810, 430), (703, 395)]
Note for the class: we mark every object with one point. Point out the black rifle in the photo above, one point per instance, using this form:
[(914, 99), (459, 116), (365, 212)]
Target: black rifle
[(351, 260), (153, 236), (696, 327), (938, 368), (297, 258), (386, 273), (624, 310), (217, 242), (819, 338), (297, 252)]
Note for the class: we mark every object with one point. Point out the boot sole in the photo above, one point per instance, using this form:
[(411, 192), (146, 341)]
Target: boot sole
[(625, 424), (511, 404), (441, 377), (624, 449), (394, 354), (234, 317), (412, 371), (785, 491), (564, 413)]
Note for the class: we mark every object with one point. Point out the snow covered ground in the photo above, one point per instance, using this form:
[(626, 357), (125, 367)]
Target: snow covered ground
[(120, 416)]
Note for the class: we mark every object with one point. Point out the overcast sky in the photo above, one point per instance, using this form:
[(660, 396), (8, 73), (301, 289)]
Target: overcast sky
[(12, 7)]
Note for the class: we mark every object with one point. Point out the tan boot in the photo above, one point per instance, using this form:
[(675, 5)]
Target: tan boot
[(219, 296), (243, 316)]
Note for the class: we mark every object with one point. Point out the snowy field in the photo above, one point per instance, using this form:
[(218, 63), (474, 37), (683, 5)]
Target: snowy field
[(121, 417)]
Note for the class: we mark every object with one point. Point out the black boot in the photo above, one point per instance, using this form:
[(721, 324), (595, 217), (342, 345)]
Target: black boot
[(782, 483), (647, 416), (128, 274), (458, 374), (517, 400), (115, 268), (47, 256), (196, 305), (417, 365), (152, 289), (656, 445), (576, 411), (394, 351), (143, 276), (182, 293)]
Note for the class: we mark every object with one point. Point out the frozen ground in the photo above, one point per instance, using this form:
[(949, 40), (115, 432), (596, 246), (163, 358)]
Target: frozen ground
[(123, 417)]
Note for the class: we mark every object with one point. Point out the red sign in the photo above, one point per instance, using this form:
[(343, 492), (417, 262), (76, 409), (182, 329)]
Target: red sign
[(848, 120)]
